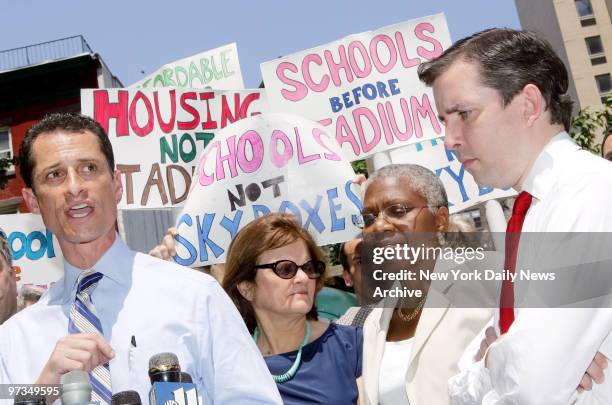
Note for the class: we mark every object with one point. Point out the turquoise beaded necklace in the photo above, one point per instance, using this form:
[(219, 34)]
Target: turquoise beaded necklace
[(298, 359)]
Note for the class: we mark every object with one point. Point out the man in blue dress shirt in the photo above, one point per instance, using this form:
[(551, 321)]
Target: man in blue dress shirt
[(115, 308)]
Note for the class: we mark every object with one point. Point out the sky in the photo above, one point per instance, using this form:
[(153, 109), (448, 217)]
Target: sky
[(136, 37)]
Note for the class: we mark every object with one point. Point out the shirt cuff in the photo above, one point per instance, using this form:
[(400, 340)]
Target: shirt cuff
[(471, 385)]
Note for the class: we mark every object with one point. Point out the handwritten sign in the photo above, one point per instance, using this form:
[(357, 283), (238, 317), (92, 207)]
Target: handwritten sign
[(35, 251), (158, 133), (461, 188), (270, 163), (218, 68), (364, 88)]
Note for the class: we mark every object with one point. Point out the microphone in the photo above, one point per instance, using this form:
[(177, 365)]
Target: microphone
[(30, 399), (169, 385), (76, 389), (126, 398), (186, 378), (164, 367)]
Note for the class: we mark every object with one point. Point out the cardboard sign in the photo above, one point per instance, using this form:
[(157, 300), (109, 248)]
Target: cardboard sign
[(364, 88), (158, 133), (35, 251), (270, 163), (461, 188), (218, 68)]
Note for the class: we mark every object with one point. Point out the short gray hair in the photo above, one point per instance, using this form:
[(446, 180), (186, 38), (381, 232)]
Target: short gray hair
[(5, 250), (420, 179)]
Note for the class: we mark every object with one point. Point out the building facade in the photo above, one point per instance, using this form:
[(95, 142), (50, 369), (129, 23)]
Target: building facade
[(36, 80), (581, 33)]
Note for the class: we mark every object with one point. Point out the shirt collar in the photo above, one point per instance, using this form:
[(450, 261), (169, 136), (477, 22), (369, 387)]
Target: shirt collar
[(545, 169), (113, 264)]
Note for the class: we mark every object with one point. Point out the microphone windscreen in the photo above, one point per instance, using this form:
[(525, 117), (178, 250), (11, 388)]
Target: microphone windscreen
[(163, 361), (126, 398), (75, 377), (29, 399), (76, 389)]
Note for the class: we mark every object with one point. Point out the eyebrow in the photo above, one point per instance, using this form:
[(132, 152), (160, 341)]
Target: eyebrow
[(80, 160), (453, 109), (386, 203), (448, 111)]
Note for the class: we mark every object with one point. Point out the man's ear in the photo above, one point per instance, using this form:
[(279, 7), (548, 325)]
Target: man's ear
[(442, 219), (246, 289), (533, 103), (348, 280), (30, 200)]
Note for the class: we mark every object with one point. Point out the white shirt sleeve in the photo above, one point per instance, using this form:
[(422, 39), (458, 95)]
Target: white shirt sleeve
[(473, 381), (4, 378), (470, 386), (545, 354), (240, 373)]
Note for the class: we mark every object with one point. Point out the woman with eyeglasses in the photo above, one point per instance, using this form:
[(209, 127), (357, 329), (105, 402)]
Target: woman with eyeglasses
[(274, 270), (411, 349)]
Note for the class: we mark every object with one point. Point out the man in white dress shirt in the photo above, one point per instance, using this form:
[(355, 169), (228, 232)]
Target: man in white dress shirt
[(501, 94), (138, 305)]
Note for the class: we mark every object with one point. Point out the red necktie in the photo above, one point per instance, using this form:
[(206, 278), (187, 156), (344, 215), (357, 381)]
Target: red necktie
[(513, 235)]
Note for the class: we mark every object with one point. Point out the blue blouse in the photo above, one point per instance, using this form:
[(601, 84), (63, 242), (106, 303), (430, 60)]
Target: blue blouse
[(330, 366)]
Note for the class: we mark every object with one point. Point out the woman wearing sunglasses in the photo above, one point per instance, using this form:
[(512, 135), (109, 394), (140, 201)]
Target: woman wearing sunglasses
[(274, 270)]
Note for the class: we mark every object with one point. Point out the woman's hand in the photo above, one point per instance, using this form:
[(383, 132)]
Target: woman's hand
[(167, 248)]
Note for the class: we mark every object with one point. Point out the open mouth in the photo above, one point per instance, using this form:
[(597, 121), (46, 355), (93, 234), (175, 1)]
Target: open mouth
[(79, 210)]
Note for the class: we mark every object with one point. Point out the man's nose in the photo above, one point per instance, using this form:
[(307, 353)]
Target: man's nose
[(74, 182), (452, 137)]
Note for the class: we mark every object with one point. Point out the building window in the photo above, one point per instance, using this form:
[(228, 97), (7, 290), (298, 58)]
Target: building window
[(585, 11), (6, 147), (584, 8), (596, 50), (604, 85)]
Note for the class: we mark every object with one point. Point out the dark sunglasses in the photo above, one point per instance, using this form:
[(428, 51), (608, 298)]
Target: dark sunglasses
[(288, 269)]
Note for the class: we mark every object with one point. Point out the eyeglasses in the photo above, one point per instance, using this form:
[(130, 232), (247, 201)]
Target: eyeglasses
[(288, 269), (393, 213)]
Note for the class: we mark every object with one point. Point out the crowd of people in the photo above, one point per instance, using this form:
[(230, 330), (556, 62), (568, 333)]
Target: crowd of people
[(256, 337)]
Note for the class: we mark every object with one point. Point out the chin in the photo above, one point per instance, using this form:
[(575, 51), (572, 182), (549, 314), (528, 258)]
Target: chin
[(82, 236), (488, 181), (301, 307)]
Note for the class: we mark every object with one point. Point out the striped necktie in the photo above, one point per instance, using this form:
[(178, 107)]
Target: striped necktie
[(84, 319)]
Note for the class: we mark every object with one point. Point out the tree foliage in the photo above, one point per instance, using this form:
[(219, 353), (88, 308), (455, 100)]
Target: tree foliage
[(5, 164), (589, 123), (360, 167)]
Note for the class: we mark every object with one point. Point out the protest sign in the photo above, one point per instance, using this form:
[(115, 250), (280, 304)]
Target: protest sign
[(35, 251), (270, 163), (461, 188), (158, 133), (218, 68), (364, 88)]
